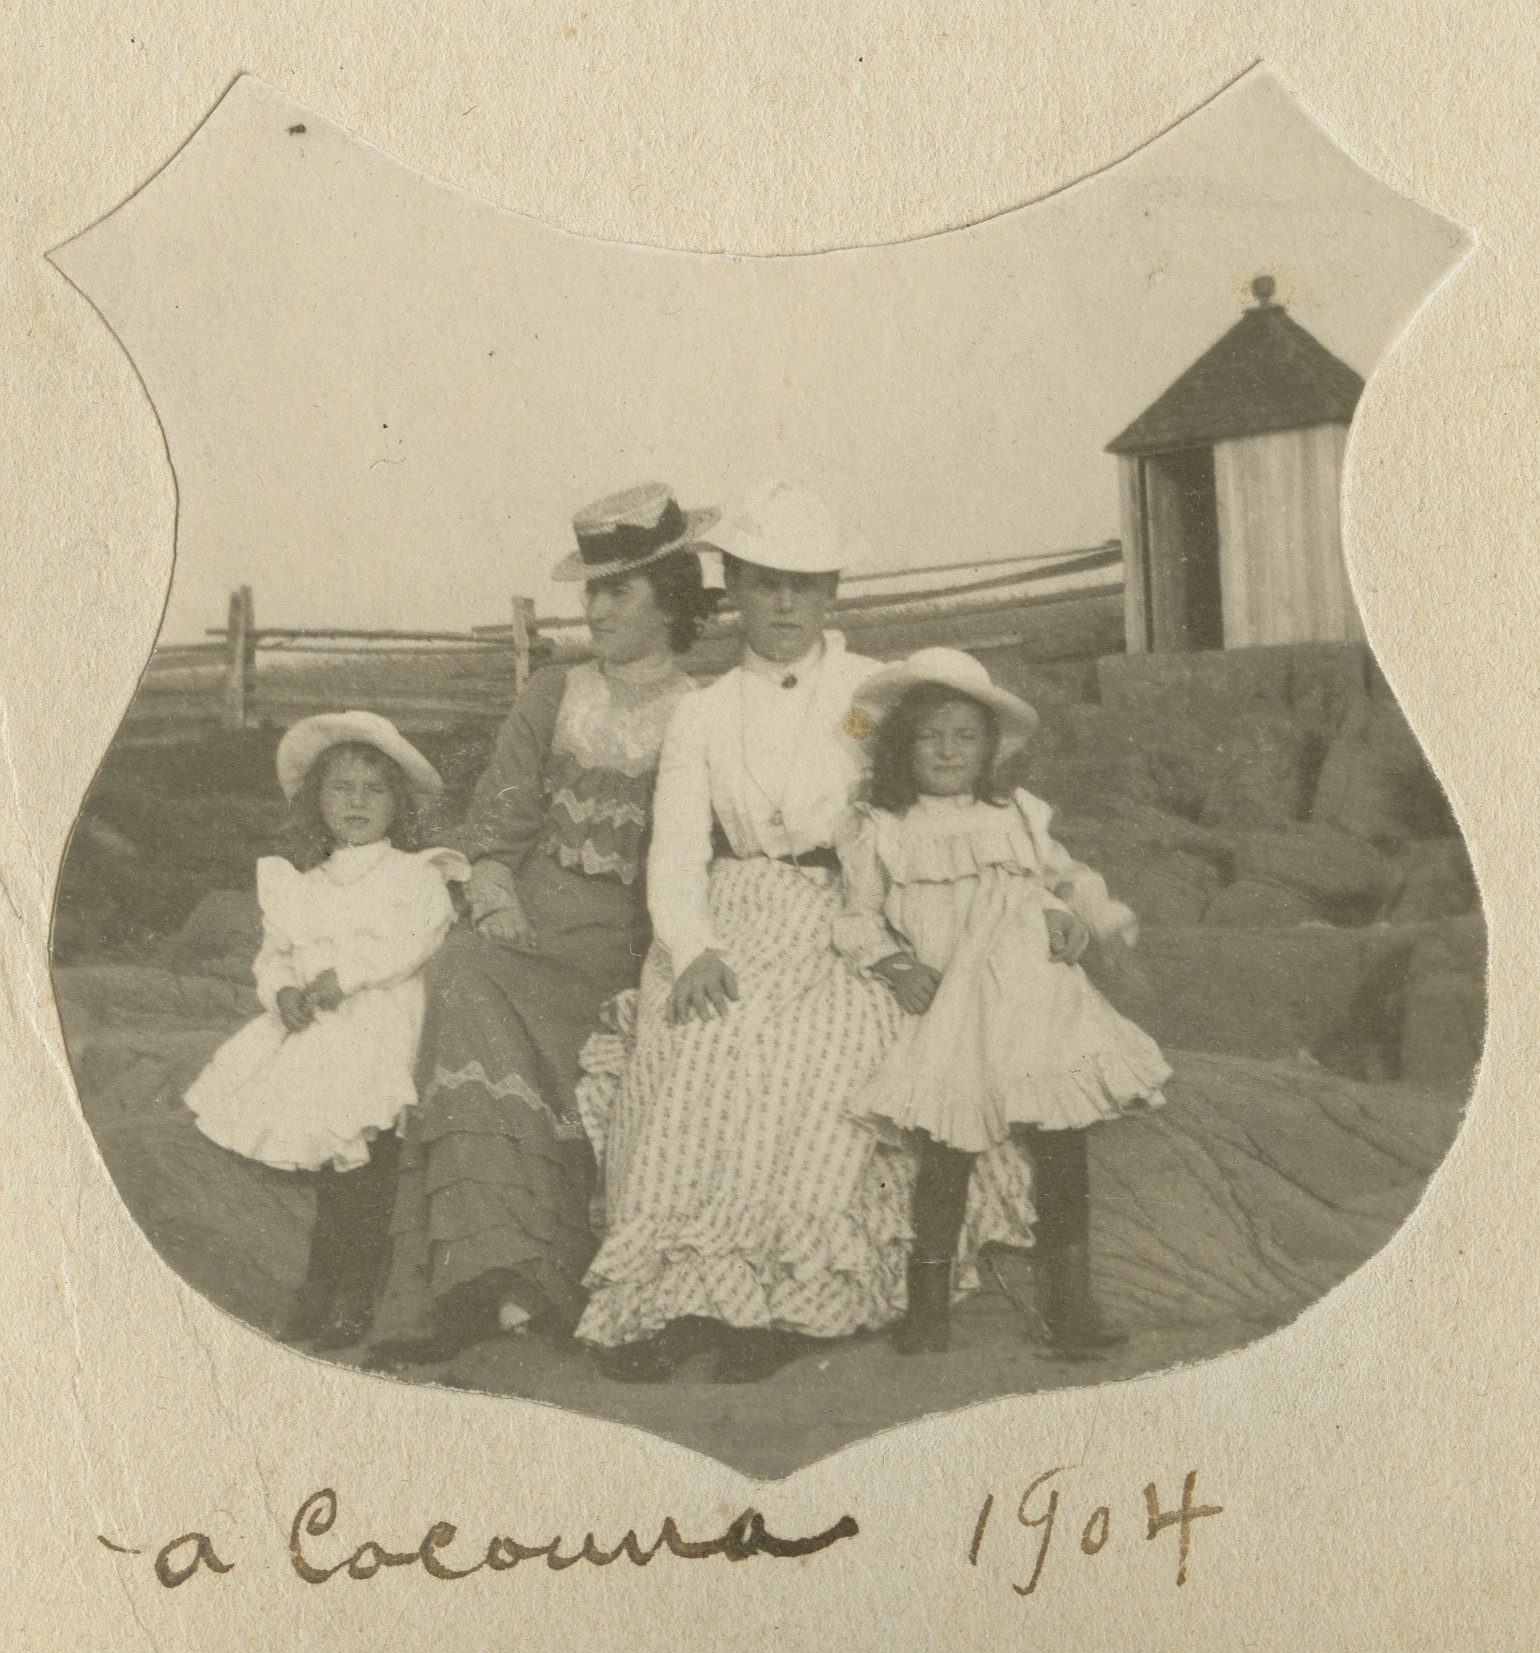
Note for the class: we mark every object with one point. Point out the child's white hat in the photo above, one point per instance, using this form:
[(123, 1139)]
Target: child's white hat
[(305, 742), (952, 668), (782, 526)]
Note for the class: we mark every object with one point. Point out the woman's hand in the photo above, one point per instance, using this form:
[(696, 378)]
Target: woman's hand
[(509, 926), (1068, 938), (294, 1010), (704, 989), (324, 993), (496, 910), (913, 984)]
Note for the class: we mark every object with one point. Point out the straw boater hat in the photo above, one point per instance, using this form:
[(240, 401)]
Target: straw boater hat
[(623, 532), (303, 744), (779, 525), (879, 694)]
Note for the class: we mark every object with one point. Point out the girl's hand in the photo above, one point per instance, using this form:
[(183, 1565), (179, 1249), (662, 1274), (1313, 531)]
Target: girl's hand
[(913, 984), (703, 990), (510, 927), (294, 1010), (324, 993), (1068, 938)]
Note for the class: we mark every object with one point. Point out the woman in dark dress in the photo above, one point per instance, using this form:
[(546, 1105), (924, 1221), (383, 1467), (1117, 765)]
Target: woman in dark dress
[(491, 1228)]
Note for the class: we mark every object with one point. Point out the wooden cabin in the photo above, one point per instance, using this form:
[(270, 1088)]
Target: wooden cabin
[(1231, 494)]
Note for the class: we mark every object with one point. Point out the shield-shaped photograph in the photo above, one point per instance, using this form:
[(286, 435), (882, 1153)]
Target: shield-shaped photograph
[(765, 847)]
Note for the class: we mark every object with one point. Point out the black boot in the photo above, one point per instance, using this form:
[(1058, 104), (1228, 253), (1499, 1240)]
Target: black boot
[(926, 1328), (1076, 1329)]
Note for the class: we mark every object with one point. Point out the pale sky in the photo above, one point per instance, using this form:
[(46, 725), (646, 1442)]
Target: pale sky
[(384, 399)]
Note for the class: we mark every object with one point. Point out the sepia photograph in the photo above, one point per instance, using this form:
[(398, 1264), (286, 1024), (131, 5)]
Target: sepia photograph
[(765, 847)]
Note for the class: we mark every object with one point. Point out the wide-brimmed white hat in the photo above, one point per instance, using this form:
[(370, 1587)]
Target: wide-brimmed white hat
[(304, 743), (780, 525), (879, 694), (623, 532)]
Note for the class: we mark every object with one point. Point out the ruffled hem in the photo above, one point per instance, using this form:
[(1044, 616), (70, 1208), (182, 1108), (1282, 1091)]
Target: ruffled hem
[(1111, 1085), (512, 1200), (490, 1184), (521, 1229), (825, 1276), (293, 1147), (466, 1100)]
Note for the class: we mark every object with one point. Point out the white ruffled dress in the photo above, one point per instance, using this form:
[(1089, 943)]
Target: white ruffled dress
[(300, 1101), (1011, 1038)]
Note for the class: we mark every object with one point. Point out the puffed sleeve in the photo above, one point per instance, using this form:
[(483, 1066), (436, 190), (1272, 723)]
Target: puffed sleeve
[(1078, 887), (407, 923), (507, 809), (861, 934), (276, 967), (680, 854)]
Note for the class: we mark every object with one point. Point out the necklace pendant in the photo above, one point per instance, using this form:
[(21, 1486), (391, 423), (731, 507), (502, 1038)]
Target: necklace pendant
[(777, 819)]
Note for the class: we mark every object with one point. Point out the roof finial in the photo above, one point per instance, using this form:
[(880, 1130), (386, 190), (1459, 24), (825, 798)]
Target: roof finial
[(1263, 288)]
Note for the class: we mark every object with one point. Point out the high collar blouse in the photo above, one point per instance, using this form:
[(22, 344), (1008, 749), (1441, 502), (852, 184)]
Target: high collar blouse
[(776, 765), (572, 771)]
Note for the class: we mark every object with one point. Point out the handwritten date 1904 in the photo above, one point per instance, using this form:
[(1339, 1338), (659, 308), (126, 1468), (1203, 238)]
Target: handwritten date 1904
[(1039, 1510)]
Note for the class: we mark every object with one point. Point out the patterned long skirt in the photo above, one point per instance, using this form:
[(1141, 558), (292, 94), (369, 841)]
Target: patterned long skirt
[(737, 1185), (496, 1174)]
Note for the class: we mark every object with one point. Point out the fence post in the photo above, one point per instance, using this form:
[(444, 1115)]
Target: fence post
[(523, 630), (240, 658)]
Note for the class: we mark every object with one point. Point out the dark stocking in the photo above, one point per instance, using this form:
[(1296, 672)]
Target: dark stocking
[(349, 1246), (1062, 1193), (940, 1202), (1061, 1186)]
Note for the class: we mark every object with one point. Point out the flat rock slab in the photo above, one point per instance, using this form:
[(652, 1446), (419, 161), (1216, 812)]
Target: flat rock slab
[(1256, 1189), (234, 1230)]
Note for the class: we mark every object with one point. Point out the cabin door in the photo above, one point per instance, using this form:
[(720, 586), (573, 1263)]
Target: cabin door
[(1180, 562)]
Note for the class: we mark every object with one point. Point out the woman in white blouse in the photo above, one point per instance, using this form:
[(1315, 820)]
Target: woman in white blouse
[(744, 1206)]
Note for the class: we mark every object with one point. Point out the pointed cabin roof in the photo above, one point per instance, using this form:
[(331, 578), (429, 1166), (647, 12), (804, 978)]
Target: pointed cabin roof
[(1266, 374)]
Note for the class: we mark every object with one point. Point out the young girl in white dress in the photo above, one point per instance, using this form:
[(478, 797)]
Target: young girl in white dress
[(318, 1081), (961, 901)]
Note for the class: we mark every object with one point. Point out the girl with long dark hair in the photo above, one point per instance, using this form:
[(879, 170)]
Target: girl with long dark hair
[(958, 897)]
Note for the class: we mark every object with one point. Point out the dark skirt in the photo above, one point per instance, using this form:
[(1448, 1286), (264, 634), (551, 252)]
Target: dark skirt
[(496, 1174)]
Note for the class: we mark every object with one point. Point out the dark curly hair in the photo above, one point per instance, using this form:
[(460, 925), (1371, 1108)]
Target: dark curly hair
[(304, 839), (892, 786), (679, 591)]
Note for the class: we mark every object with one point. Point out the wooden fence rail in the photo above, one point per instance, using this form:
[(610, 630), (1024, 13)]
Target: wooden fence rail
[(247, 676)]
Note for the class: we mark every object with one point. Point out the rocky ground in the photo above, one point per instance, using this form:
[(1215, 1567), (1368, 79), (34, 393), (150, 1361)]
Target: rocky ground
[(1312, 960)]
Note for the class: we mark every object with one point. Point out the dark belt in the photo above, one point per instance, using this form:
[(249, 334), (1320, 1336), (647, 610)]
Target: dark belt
[(822, 856)]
